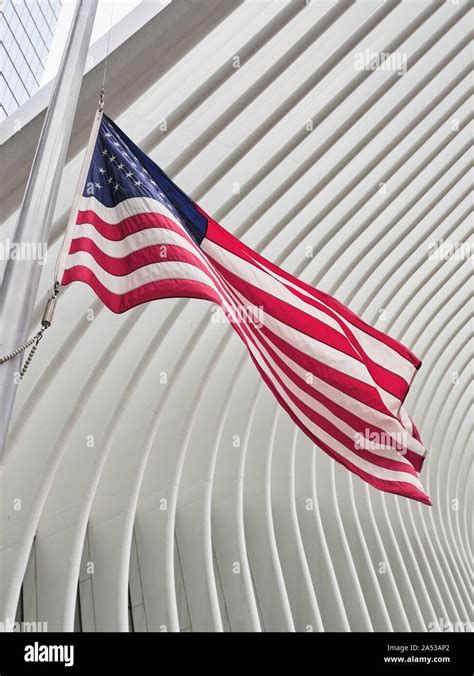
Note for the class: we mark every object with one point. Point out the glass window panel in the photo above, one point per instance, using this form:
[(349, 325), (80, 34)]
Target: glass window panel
[(8, 11), (57, 6), (21, 94), (22, 39), (3, 28), (45, 24), (43, 27), (9, 41), (29, 26), (18, 87), (25, 71), (31, 82), (31, 54), (4, 92), (7, 101), (3, 57), (34, 9), (8, 70), (48, 13), (14, 22), (43, 52)]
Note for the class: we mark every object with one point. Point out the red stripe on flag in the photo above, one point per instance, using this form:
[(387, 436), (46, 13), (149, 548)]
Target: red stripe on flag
[(130, 225), (312, 327), (164, 288), (354, 421), (157, 253), (398, 487), (220, 236)]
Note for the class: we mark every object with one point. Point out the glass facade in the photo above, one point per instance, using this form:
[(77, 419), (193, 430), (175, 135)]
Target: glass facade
[(26, 33)]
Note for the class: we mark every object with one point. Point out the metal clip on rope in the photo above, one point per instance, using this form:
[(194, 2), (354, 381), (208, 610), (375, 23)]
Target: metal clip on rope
[(45, 323)]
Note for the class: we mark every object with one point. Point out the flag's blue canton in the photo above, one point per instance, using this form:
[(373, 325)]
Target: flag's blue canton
[(120, 170)]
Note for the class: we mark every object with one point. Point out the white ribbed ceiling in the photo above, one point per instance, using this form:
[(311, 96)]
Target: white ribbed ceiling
[(154, 468)]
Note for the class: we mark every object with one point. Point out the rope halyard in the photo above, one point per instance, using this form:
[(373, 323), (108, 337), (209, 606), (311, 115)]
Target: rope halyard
[(38, 337), (19, 350), (34, 340)]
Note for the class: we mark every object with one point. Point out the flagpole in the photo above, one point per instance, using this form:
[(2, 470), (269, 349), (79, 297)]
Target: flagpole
[(65, 246), (21, 280)]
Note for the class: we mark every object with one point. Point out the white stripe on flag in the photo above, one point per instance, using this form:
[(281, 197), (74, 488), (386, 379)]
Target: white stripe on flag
[(121, 284)]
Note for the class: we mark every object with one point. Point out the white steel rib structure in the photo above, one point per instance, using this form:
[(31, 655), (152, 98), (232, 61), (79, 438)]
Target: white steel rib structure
[(150, 481)]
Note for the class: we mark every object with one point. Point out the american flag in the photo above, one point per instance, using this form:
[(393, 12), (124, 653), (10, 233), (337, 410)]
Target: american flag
[(135, 236)]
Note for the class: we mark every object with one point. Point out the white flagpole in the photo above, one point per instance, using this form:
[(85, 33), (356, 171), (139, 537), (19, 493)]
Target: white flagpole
[(66, 245), (20, 284)]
